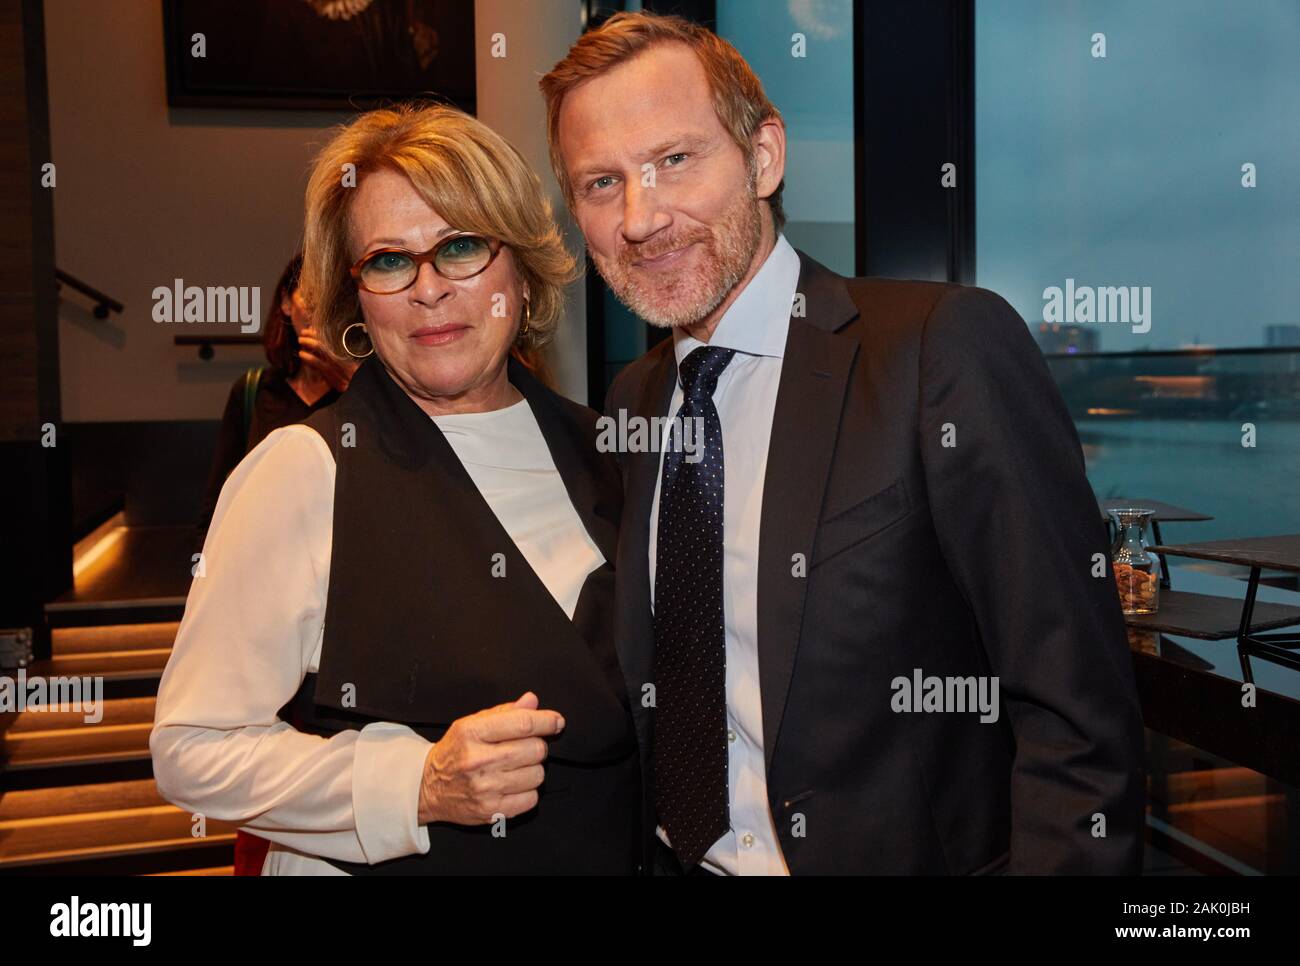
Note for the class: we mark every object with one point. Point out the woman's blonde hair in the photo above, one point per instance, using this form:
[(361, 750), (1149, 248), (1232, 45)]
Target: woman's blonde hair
[(466, 172)]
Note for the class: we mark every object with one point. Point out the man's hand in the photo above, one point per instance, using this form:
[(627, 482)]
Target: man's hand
[(488, 763)]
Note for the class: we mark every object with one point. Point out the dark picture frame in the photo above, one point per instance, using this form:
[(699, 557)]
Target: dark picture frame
[(294, 54)]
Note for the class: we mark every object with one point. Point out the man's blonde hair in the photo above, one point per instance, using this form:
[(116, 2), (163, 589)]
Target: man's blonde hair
[(466, 172), (738, 97)]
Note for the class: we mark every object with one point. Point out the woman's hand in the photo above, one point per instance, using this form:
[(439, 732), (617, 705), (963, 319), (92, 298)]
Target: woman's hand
[(488, 764), (313, 353)]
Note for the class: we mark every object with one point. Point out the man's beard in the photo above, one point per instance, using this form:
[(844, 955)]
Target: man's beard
[(668, 299)]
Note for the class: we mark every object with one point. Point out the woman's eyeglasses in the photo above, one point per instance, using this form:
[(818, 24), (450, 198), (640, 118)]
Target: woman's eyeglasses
[(457, 257)]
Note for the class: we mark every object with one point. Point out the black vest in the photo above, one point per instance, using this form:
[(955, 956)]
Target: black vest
[(422, 628)]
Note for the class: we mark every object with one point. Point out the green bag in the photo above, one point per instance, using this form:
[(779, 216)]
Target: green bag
[(252, 382)]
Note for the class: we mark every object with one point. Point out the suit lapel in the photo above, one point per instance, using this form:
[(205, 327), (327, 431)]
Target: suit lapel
[(809, 401), (643, 468), (635, 621)]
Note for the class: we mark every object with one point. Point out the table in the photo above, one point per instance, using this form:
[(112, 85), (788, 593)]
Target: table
[(1257, 553), (1192, 692)]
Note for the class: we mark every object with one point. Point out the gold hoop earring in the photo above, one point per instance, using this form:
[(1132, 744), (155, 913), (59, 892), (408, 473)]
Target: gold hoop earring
[(528, 315), (344, 340)]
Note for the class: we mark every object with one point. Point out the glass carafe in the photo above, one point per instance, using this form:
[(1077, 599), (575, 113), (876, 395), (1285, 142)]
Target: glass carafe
[(1137, 569)]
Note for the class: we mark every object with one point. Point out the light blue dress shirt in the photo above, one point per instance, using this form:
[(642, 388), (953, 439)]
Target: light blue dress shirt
[(755, 325)]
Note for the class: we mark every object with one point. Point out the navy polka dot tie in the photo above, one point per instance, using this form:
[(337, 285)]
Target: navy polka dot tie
[(690, 743)]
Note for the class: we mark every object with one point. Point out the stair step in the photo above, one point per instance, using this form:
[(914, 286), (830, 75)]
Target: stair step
[(117, 711), (35, 739), (90, 743), (100, 613), (145, 663), (75, 823), (44, 775), (214, 870), (113, 637), (76, 799)]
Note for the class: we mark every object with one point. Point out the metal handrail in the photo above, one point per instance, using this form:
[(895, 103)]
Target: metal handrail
[(103, 303)]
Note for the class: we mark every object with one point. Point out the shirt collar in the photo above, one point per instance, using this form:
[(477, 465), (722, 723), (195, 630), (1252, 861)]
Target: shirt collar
[(758, 322)]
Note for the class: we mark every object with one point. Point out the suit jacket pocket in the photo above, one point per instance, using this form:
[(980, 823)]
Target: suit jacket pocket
[(861, 521)]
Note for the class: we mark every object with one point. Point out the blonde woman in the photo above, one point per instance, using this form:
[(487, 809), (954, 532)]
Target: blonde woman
[(401, 656)]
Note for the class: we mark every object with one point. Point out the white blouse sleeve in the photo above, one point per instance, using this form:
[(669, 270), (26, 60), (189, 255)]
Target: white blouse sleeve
[(252, 624)]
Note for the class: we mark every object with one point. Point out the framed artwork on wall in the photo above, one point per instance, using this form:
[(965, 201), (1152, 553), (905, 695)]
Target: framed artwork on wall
[(323, 54)]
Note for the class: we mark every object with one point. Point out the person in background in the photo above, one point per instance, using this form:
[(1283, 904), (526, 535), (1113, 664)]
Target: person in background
[(301, 378)]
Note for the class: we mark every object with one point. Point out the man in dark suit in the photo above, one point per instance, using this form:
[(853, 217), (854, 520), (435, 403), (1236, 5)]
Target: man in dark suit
[(871, 619)]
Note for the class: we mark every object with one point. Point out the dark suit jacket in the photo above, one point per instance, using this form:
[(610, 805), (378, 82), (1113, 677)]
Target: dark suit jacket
[(969, 559)]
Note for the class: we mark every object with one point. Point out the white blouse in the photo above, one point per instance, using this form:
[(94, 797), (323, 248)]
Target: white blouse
[(252, 630)]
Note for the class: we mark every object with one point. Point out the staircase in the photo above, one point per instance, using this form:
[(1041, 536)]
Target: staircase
[(78, 798)]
